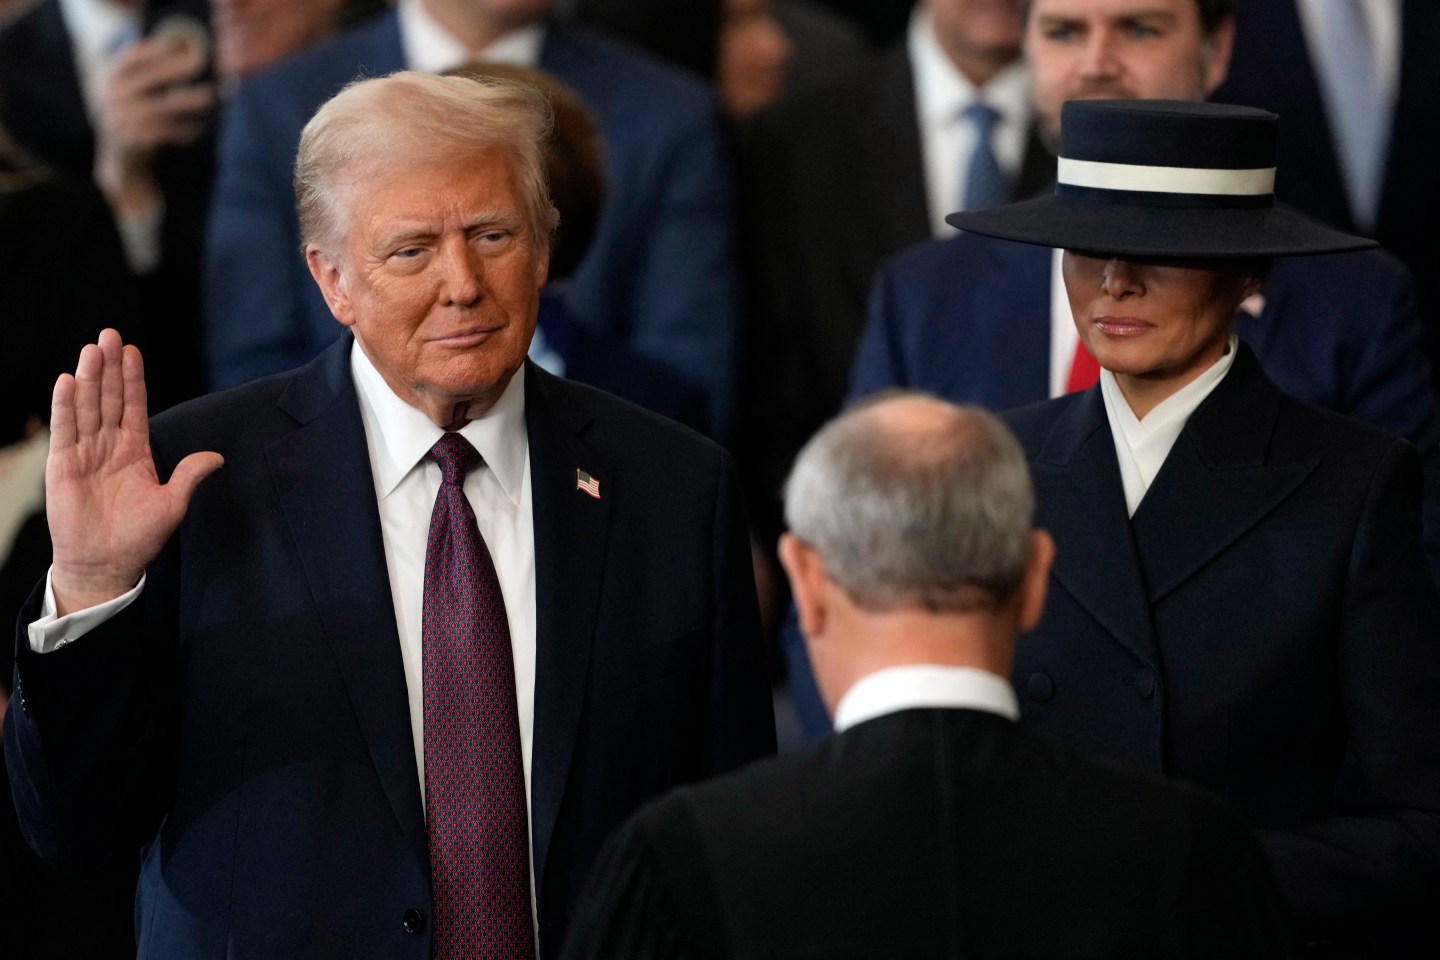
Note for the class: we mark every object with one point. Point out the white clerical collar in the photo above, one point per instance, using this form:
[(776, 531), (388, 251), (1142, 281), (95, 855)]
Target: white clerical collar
[(400, 435), (429, 47), (1143, 445), (925, 686)]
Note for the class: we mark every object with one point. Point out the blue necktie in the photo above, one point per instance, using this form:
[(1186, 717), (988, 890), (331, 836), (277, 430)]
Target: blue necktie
[(985, 184), (1356, 105)]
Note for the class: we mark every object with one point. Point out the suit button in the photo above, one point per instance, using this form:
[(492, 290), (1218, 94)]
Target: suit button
[(1144, 683), (1040, 687), (413, 920)]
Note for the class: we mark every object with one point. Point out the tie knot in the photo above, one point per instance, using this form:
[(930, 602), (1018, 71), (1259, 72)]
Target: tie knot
[(983, 116), (455, 456)]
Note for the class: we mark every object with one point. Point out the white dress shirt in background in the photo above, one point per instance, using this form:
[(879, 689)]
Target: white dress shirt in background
[(946, 138)]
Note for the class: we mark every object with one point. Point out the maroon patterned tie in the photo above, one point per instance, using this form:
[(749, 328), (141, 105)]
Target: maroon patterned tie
[(474, 776)]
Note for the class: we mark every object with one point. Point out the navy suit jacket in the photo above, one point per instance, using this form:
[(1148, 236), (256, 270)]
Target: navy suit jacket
[(658, 276), (1263, 626), (1271, 68), (247, 718), (968, 319)]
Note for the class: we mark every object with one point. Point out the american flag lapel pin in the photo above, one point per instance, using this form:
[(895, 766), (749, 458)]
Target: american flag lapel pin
[(583, 481)]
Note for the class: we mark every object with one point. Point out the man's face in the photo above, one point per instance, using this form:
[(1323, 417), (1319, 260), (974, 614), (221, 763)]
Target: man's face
[(251, 34), (439, 277), (977, 29), (1120, 49)]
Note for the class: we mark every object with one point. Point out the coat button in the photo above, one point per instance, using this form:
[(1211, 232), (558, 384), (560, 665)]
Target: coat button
[(413, 920), (1040, 687), (1144, 683)]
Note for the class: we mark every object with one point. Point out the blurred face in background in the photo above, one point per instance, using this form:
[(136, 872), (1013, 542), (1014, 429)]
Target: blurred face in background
[(751, 56), (252, 34), (1120, 49), (981, 37)]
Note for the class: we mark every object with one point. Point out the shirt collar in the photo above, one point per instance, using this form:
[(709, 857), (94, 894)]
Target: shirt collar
[(925, 686), (400, 435), (1169, 416), (430, 47), (942, 92)]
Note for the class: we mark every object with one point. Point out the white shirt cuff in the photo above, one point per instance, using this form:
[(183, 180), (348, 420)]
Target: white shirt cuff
[(140, 236), (50, 633)]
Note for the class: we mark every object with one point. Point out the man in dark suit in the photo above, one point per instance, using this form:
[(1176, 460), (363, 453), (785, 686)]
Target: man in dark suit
[(1242, 599), (658, 277), (931, 825), (329, 726), (976, 320), (848, 173), (1280, 64)]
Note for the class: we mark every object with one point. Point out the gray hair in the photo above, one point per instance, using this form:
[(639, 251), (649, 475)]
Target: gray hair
[(912, 501), (411, 117)]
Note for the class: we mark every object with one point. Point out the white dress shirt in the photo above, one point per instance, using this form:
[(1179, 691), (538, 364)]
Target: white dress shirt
[(925, 686), (1143, 445), (946, 138), (1063, 335), (428, 46), (1383, 19), (398, 437), (406, 482)]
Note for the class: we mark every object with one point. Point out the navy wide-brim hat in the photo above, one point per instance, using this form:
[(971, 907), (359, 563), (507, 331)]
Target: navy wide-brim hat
[(1163, 178)]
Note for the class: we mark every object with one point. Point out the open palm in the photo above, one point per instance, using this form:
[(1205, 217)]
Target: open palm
[(109, 514)]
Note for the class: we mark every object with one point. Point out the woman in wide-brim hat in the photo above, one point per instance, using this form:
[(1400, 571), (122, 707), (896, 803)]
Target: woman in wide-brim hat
[(1240, 597)]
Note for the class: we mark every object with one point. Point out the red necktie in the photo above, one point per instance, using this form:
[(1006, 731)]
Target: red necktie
[(474, 775), (1084, 370)]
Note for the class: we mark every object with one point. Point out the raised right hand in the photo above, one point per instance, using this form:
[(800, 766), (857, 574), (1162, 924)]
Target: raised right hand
[(109, 514)]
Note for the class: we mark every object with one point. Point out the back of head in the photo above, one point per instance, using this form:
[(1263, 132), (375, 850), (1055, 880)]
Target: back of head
[(913, 502), (407, 119)]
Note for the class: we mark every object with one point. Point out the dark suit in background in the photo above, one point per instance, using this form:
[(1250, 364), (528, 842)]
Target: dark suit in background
[(41, 104), (932, 833), (247, 717), (658, 276), (834, 185), (1271, 68), (52, 232), (969, 320), (1264, 626)]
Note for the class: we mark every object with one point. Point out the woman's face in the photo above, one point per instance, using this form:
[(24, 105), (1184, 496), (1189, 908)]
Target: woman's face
[(1156, 323)]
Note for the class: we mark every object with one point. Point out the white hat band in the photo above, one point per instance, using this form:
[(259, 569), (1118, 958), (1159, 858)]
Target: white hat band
[(1192, 180)]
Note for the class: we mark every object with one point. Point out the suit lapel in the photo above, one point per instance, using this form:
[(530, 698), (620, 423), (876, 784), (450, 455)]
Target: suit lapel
[(1082, 504), (324, 481), (1215, 485), (1000, 340), (570, 534)]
